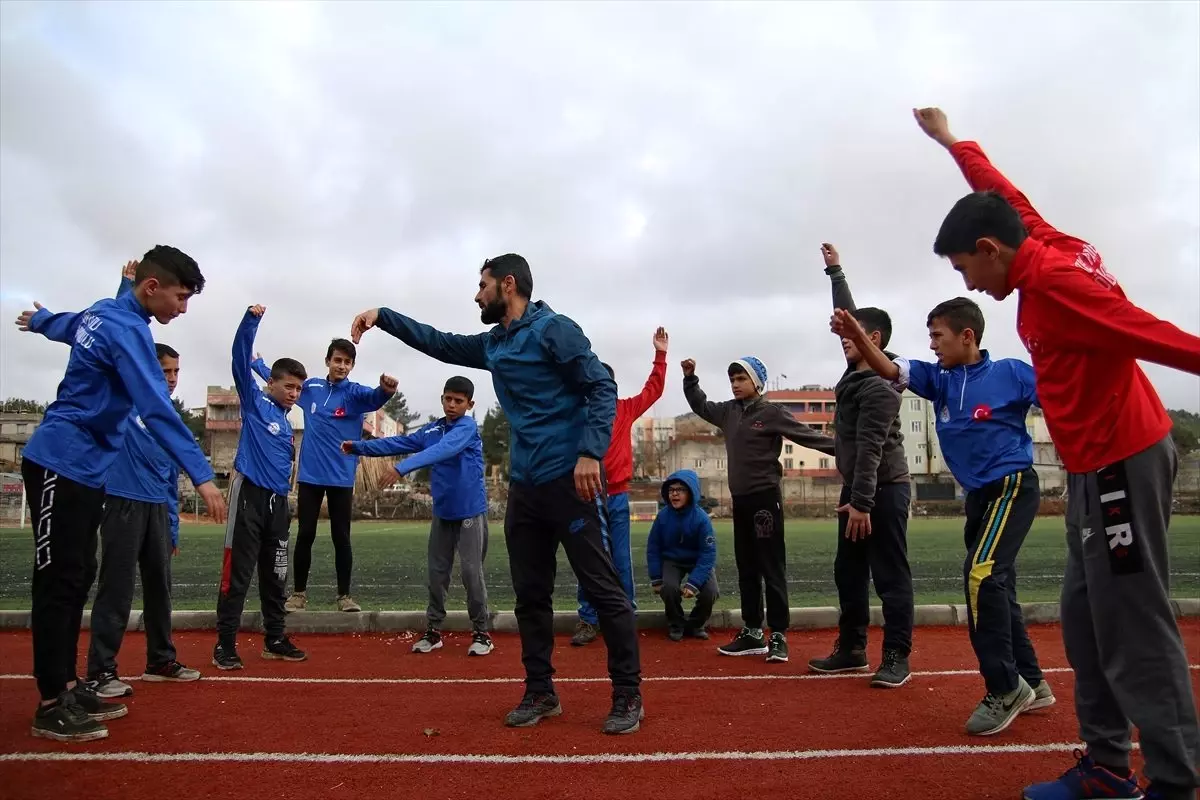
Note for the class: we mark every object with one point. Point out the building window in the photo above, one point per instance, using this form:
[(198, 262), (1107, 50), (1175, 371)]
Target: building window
[(787, 463), (916, 426), (787, 449), (699, 462), (915, 404), (920, 445), (824, 463), (720, 463), (917, 460)]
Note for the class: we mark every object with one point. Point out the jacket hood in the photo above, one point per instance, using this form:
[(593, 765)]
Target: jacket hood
[(533, 312), (689, 479)]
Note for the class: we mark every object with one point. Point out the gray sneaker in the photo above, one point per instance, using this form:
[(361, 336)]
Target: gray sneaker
[(1043, 696), (432, 640), (107, 684), (532, 709), (996, 712), (585, 633)]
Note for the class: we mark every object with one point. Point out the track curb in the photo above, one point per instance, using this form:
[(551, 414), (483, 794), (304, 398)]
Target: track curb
[(809, 618)]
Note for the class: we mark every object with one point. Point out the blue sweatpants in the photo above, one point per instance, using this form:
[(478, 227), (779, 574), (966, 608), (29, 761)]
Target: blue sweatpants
[(618, 547)]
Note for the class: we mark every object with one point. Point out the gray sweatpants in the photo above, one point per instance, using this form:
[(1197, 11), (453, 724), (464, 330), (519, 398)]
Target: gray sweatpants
[(1118, 626), (469, 537), (133, 534)]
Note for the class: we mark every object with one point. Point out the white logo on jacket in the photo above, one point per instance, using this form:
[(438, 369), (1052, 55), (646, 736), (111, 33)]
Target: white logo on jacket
[(273, 428)]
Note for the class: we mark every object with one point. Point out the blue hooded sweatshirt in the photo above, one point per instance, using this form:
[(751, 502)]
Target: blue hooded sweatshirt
[(981, 410), (559, 399), (266, 446), (113, 369), (454, 454), (333, 413), (685, 537)]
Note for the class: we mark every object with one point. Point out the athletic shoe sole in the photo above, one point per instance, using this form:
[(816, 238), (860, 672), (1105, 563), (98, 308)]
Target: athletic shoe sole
[(268, 655), (104, 716), (238, 665), (154, 677), (777, 659), (480, 650), (109, 694), (839, 670), (1045, 702), (881, 684), (757, 651), (435, 646), (1016, 712), (637, 726), (91, 736), (556, 711)]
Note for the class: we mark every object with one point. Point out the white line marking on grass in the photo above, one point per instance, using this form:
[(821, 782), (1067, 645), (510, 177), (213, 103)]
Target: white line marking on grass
[(862, 676), (590, 758)]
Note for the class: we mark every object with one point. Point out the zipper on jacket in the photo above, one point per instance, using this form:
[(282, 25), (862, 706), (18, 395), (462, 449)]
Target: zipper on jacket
[(962, 396)]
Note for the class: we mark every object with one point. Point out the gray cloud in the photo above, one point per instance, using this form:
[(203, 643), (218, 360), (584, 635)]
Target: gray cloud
[(657, 164)]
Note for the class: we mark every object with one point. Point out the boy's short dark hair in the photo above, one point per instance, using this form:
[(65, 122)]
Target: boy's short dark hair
[(736, 369), (876, 319), (460, 385), (341, 346), (511, 264), (170, 267), (164, 351), (960, 313), (979, 215), (609, 369), (288, 367)]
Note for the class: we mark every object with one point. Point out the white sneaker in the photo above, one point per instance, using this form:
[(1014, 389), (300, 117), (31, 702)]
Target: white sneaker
[(431, 641), (346, 603), (481, 644), (297, 602)]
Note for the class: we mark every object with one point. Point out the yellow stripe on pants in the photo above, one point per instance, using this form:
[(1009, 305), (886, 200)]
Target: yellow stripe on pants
[(984, 561)]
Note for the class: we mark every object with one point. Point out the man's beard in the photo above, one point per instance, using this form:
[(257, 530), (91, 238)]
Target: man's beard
[(493, 312)]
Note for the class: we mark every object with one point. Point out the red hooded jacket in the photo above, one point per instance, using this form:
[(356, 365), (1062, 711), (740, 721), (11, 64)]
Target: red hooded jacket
[(1084, 337), (618, 461)]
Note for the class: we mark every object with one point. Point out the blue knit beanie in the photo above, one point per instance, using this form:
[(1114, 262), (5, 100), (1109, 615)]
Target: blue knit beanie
[(755, 369)]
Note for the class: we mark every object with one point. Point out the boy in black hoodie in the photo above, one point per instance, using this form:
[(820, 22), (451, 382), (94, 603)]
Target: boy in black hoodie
[(873, 510)]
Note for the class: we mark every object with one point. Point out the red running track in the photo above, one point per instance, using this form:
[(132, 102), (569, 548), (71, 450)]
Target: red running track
[(389, 722)]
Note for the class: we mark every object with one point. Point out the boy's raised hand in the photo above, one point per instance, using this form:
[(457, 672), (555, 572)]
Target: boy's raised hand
[(845, 325), (348, 448), (130, 270), (388, 383), (660, 340), (363, 323), (257, 310), (689, 367), (935, 125), (830, 254), (25, 317)]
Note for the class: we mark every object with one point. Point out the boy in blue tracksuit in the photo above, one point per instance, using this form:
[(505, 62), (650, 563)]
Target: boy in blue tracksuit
[(112, 369), (452, 449), (257, 533), (681, 554), (981, 407), (333, 412)]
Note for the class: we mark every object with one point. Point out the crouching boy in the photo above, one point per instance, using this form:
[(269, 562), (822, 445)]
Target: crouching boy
[(681, 555)]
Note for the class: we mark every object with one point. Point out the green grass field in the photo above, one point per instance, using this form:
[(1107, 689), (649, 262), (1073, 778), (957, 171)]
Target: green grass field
[(389, 565)]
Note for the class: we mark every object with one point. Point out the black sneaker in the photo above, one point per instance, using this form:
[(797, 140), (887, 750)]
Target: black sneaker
[(532, 709), (674, 633), (626, 715), (585, 633), (107, 684), (695, 633), (840, 660), (94, 706), (432, 640), (481, 644), (66, 721), (777, 648), (170, 672), (893, 671), (748, 642), (282, 649), (225, 656)]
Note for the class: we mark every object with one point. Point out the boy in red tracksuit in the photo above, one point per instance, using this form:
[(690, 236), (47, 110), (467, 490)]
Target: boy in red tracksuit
[(1085, 338), (618, 471)]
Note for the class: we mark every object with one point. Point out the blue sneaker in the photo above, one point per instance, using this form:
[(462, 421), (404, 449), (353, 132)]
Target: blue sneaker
[(1087, 780)]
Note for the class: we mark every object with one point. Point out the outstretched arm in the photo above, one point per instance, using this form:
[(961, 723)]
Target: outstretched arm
[(55, 327), (260, 368), (453, 442), (919, 376), (243, 347), (980, 173), (389, 446), (705, 409), (842, 298), (449, 348), (653, 390), (365, 399), (783, 423)]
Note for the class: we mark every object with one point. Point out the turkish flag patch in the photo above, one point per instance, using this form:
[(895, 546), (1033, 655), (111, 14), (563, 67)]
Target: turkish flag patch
[(982, 413), (339, 412)]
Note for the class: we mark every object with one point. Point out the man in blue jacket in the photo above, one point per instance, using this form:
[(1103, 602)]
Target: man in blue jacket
[(112, 369), (560, 403), (981, 407), (333, 412), (452, 449), (257, 534), (681, 554)]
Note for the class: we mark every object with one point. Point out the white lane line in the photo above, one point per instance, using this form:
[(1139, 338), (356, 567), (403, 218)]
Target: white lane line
[(591, 758)]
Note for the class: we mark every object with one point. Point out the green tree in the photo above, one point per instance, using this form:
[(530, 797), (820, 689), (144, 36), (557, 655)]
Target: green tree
[(495, 435), (1186, 430), (397, 408), (17, 405)]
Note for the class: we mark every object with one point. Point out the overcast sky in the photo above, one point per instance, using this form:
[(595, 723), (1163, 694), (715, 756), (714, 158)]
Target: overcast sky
[(660, 163)]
